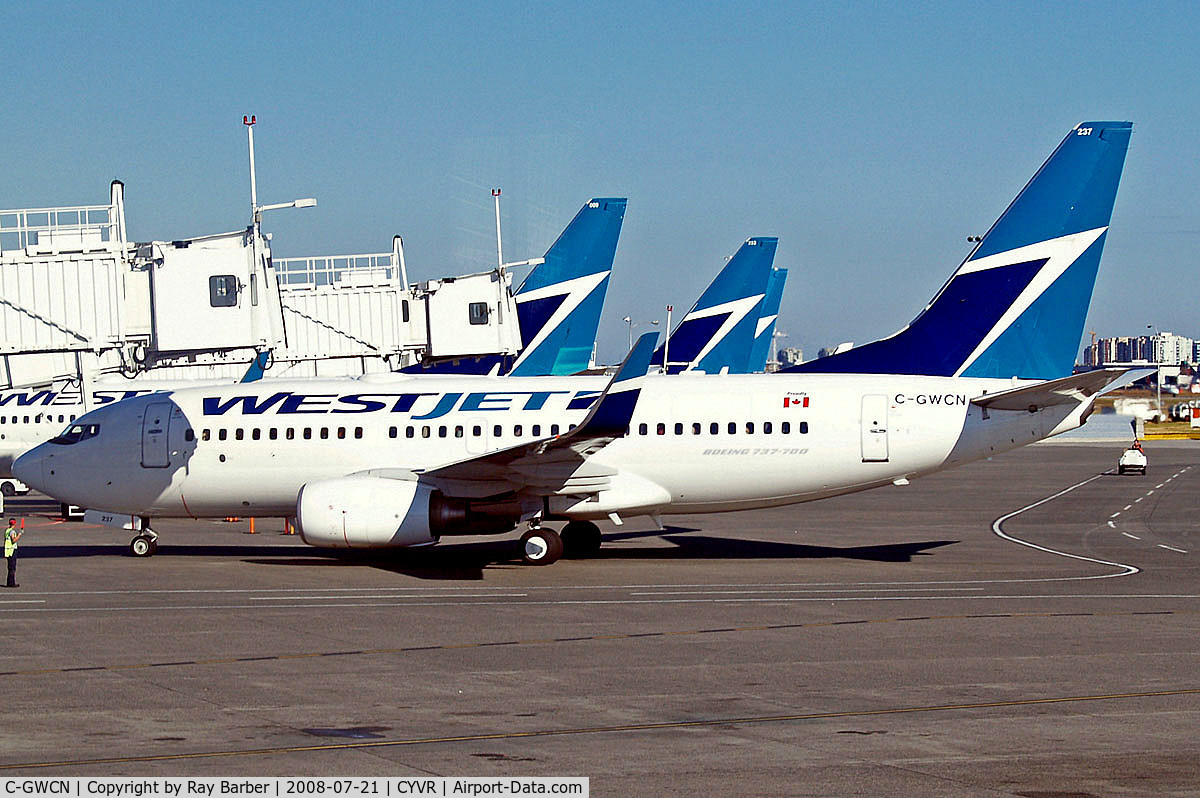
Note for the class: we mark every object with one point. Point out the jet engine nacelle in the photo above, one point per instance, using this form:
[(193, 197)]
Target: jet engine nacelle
[(366, 512)]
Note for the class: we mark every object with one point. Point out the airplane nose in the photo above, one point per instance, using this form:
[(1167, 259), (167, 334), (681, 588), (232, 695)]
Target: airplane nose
[(28, 469)]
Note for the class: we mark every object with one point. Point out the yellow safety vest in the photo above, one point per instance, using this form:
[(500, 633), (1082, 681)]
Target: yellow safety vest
[(10, 545)]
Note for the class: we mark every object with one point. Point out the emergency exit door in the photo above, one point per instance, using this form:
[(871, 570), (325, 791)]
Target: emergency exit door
[(156, 442), (875, 428)]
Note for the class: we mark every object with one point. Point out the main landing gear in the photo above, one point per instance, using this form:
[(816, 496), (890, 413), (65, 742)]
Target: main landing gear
[(543, 546), (581, 540), (145, 542)]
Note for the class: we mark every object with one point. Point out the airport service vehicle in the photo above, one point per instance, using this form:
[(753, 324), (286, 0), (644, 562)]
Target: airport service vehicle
[(13, 487), (406, 461), (1132, 459)]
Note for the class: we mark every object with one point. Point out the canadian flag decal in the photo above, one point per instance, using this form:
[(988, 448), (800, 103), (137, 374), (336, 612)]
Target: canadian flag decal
[(795, 400)]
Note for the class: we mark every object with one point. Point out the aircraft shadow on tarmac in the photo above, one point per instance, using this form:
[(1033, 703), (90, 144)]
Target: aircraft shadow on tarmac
[(467, 561)]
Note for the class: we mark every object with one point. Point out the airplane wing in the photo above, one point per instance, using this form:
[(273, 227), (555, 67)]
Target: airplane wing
[(1064, 391), (558, 464)]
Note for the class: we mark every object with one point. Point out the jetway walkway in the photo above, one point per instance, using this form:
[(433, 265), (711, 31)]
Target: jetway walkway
[(78, 300)]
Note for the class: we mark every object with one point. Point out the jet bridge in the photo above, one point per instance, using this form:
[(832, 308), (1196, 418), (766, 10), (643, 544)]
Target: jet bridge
[(77, 296), (78, 300), (357, 306)]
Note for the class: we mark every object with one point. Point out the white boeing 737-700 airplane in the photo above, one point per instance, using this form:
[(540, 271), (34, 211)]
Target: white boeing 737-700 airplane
[(402, 461)]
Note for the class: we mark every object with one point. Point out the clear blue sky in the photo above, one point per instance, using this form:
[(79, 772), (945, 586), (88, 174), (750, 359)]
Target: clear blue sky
[(870, 139)]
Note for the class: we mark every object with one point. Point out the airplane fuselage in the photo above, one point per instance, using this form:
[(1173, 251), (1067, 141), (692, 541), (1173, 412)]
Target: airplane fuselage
[(696, 443)]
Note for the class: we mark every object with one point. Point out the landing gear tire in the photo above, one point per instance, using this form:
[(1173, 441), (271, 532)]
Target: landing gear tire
[(541, 546), (581, 540), (8, 490), (142, 546)]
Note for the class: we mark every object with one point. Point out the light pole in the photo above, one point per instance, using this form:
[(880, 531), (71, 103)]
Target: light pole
[(1158, 356), (256, 211)]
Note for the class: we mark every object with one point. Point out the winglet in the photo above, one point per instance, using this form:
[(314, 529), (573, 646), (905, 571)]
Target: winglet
[(611, 413), (258, 366)]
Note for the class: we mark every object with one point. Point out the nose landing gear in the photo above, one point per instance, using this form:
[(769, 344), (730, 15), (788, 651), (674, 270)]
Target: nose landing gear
[(145, 543)]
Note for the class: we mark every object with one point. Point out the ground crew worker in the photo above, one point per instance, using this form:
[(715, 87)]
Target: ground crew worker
[(11, 536)]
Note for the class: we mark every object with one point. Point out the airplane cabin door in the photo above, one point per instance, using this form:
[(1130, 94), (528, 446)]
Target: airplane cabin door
[(875, 428), (156, 451)]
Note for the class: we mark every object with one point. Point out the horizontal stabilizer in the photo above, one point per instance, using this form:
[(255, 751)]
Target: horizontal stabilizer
[(1065, 391)]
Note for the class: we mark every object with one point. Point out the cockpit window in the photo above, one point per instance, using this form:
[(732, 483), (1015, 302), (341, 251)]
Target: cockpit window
[(76, 433)]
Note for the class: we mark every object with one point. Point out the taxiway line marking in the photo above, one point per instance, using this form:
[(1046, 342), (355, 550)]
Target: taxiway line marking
[(998, 529), (582, 639), (1172, 548), (784, 592), (628, 728), (954, 596), (1126, 534), (385, 596)]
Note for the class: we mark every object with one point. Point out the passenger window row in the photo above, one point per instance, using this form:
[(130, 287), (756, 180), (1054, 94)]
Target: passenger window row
[(38, 419), (273, 433), (714, 428), (476, 431), (340, 433)]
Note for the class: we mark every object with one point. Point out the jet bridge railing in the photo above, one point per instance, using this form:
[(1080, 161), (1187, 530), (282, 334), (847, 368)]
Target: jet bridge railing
[(74, 228), (348, 271)]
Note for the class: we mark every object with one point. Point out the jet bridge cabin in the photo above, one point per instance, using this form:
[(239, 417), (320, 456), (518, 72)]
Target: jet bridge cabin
[(77, 296)]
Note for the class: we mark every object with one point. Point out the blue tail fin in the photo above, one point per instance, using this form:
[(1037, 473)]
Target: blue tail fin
[(718, 332), (1016, 306), (761, 349), (559, 304)]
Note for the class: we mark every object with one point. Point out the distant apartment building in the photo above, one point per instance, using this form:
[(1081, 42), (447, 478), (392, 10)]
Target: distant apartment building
[(1163, 348), (1172, 349), (790, 356)]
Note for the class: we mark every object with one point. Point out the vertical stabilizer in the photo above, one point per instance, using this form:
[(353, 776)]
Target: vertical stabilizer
[(1016, 306), (761, 349), (717, 334), (559, 303)]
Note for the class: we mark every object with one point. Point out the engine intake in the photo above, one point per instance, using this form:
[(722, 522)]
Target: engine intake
[(373, 512)]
